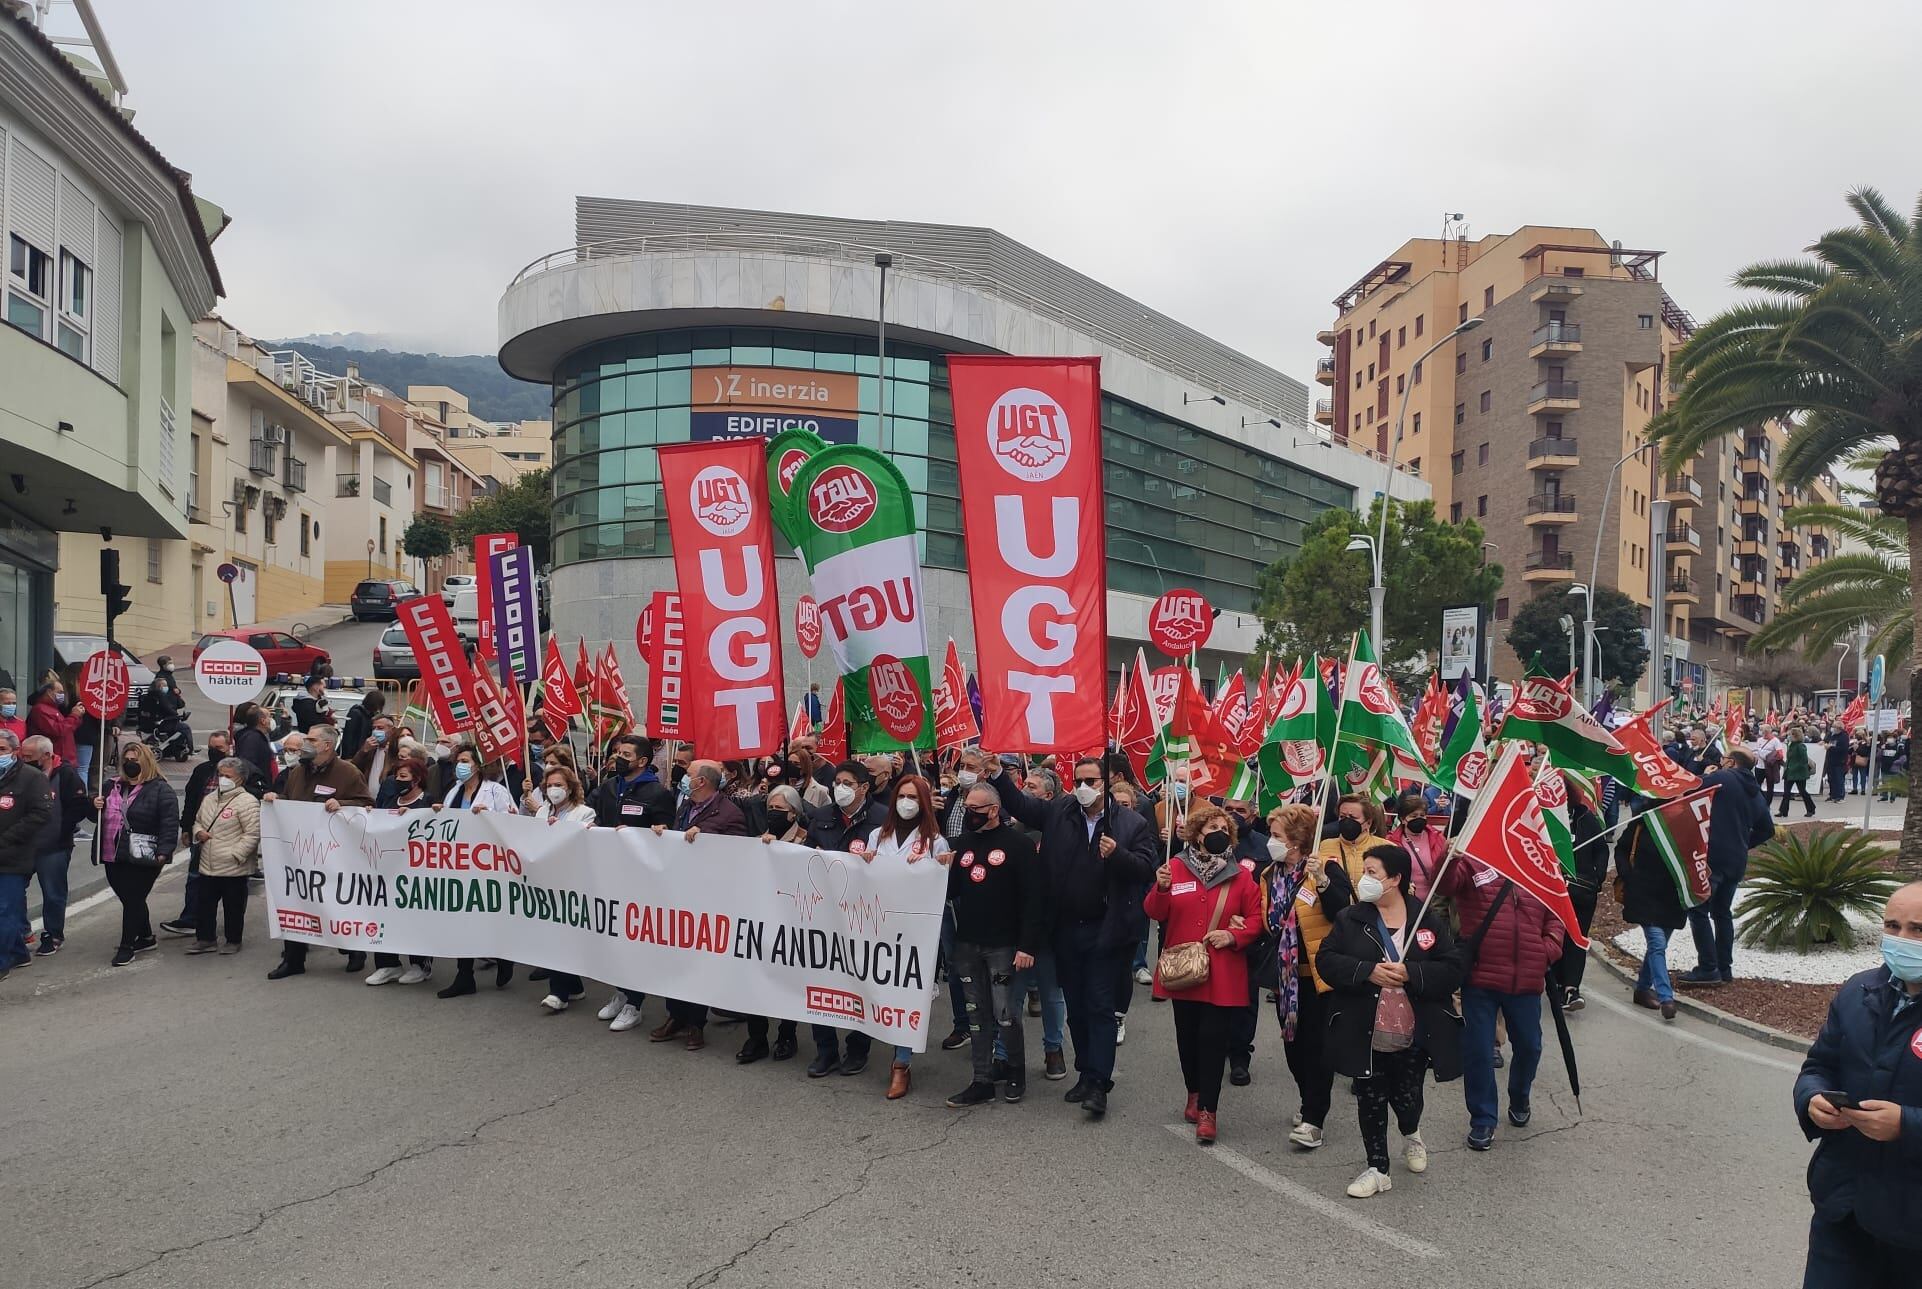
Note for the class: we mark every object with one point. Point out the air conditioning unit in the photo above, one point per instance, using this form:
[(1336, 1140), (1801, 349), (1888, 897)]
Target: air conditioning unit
[(276, 435)]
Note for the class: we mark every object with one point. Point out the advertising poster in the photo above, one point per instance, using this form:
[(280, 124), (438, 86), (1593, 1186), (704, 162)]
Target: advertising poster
[(761, 402), (1461, 646)]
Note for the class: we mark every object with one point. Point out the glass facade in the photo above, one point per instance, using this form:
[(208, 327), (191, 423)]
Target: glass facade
[(28, 556), (1185, 507)]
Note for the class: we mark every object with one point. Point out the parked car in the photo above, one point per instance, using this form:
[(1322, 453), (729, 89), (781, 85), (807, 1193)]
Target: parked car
[(394, 656), (285, 656), (375, 600), (458, 582), (465, 610), (70, 654)]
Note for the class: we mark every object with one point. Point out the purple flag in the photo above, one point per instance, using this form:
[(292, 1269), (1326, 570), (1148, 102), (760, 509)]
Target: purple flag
[(516, 626)]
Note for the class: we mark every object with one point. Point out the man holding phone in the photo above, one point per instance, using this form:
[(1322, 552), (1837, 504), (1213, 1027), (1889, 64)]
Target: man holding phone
[(1859, 1097)]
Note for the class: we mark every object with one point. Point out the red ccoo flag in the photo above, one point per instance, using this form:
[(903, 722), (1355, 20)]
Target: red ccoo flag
[(1506, 831), (584, 677)]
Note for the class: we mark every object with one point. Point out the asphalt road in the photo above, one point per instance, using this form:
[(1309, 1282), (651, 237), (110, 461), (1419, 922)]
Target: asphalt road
[(186, 1122)]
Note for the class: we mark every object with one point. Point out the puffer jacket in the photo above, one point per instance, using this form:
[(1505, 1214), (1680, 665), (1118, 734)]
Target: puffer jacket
[(26, 804), (1523, 941), (231, 821), (1795, 767)]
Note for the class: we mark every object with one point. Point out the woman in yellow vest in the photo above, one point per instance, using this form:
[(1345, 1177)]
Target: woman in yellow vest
[(1359, 827), (1303, 893)]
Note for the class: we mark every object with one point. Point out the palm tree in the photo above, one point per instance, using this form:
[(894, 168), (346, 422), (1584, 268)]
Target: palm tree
[(1835, 346), (1822, 607)]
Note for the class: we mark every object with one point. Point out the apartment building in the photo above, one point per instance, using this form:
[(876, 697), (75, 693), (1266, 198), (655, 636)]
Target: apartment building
[(1532, 418), (497, 453), (446, 486)]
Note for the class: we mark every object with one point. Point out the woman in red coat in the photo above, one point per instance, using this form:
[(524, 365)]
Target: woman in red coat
[(1203, 895), (51, 718)]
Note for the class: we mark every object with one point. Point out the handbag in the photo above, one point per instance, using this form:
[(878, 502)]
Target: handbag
[(1394, 1014), (143, 850), (1185, 966)]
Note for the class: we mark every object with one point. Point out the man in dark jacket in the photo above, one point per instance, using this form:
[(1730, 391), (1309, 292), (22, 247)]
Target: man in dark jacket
[(705, 809), (25, 806), (360, 723), (999, 891), (1738, 818), (199, 783), (1650, 901), (1099, 864), (844, 825), (254, 744), (1591, 870), (321, 775), (632, 795), (53, 850), (311, 708), (1866, 1178), (1836, 766)]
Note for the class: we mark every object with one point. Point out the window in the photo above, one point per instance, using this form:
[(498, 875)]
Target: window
[(1418, 325), (1417, 429), (1488, 297), (1401, 337), (1455, 460), (1461, 363), (1462, 316), (76, 304), (1488, 400), (1571, 271), (1417, 375), (240, 517), (1481, 455), (153, 559), (383, 535), (1455, 509), (1371, 371), (1481, 505), (1401, 383), (1414, 467), (1488, 348), (1371, 328), (1552, 430), (306, 536), (1461, 413), (268, 523), (1645, 321), (1501, 608), (30, 286)]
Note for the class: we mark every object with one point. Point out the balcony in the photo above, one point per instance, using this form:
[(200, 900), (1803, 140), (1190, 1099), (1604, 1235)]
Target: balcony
[(1555, 452), (1553, 288), (1681, 589), (261, 456), (1681, 490), (1555, 338), (1759, 465), (1326, 336), (1747, 587), (1555, 396), (1325, 370), (296, 479), (1684, 540), (437, 498), (1549, 566), (1748, 548), (1818, 547), (383, 492), (1752, 507), (1750, 607), (1550, 508), (346, 485), (1324, 411)]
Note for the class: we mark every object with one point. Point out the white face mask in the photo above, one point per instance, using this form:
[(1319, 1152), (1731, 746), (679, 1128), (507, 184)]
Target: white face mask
[(1369, 889), (908, 808), (556, 794), (1277, 848), (442, 751), (844, 795), (226, 784), (966, 778), (1087, 794), (290, 758)]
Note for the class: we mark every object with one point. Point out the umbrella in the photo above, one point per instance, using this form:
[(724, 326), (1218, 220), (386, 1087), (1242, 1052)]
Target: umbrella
[(1568, 1044)]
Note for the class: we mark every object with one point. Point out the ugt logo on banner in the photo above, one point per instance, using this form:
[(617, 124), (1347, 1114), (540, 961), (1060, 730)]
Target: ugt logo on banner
[(1028, 444), (718, 520)]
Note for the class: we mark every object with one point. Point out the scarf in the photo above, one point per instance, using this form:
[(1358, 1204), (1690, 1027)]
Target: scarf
[(1210, 870), (1284, 884)]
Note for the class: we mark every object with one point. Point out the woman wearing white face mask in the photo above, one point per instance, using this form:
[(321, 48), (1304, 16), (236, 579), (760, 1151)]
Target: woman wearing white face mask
[(477, 788), (562, 805), (1393, 1014), (908, 837), (228, 830), (1303, 895)]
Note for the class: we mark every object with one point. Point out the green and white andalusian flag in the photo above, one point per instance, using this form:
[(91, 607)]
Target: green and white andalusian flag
[(787, 452), (1169, 753), (1545, 712), (1551, 790), (1464, 762), (1295, 748), (1369, 717), (852, 518)]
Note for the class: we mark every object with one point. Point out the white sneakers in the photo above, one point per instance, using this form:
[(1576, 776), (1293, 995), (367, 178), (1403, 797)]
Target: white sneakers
[(1307, 1136), (627, 1018), (613, 1007), (1415, 1154), (384, 976), (1143, 976), (1120, 1030), (554, 1003), (1370, 1183), (414, 974)]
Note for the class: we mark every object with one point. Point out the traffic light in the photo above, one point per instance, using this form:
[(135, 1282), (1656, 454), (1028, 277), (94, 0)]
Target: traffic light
[(117, 593)]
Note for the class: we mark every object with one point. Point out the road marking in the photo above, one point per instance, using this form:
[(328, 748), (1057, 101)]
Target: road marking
[(1320, 1203), (1689, 1036), (85, 903)]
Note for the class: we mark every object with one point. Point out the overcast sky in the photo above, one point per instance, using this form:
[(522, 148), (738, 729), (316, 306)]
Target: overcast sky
[(390, 164)]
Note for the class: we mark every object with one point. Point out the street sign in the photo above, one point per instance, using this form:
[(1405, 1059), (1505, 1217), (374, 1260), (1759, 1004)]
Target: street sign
[(1878, 672), (104, 684), (228, 572), (230, 672)]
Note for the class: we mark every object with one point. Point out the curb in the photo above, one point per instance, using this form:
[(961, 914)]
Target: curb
[(1713, 1015)]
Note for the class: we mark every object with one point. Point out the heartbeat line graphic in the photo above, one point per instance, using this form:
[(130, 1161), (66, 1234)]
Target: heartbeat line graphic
[(864, 914), (310, 847)]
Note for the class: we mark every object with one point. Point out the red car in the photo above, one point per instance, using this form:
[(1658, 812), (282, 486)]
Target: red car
[(284, 654)]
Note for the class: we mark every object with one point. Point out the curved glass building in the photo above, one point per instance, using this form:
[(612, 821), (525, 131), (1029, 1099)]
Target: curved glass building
[(670, 323)]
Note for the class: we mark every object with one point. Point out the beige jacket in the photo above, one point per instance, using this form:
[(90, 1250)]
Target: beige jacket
[(232, 821)]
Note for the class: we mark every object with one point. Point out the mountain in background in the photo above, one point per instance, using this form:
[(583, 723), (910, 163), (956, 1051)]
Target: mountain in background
[(492, 394)]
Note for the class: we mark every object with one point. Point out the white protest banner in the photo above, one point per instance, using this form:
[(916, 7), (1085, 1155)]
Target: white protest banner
[(762, 929)]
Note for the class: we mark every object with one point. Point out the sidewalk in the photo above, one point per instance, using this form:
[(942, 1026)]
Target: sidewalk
[(318, 618), (1884, 816)]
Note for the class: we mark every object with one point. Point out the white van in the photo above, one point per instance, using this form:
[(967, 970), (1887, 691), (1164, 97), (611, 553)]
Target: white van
[(466, 615)]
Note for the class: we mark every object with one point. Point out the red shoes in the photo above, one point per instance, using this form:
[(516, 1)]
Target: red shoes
[(1193, 1113), (1205, 1128)]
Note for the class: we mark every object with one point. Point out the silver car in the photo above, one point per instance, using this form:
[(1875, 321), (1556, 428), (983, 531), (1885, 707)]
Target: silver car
[(394, 657), (70, 654)]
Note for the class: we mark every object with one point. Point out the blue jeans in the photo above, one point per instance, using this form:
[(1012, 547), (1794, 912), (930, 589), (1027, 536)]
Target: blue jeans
[(51, 869), (13, 919), (1054, 1003), (1524, 1015), (1141, 954), (1713, 925), (1090, 978), (957, 997), (1654, 973), (1858, 779), (84, 760)]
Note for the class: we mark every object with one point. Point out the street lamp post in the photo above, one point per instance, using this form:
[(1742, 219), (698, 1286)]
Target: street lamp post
[(1377, 590), (1838, 672), (1588, 596), (1594, 571)]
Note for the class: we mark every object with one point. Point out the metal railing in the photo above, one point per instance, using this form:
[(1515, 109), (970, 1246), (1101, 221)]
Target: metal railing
[(1324, 407), (1681, 584), (1568, 389), (296, 474), (1552, 446), (1557, 333), (260, 456), (383, 492), (438, 498), (1683, 483), (1552, 560), (347, 485), (1324, 367), (1684, 535), (1552, 503)]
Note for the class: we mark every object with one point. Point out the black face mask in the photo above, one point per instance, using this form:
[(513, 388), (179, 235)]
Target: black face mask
[(214, 754), (1415, 823), (680, 772), (1216, 843), (779, 821), (130, 768), (1350, 829), (975, 820)]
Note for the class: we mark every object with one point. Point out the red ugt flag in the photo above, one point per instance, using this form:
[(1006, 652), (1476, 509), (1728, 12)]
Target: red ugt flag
[(954, 724), (1506, 831), (560, 701)]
